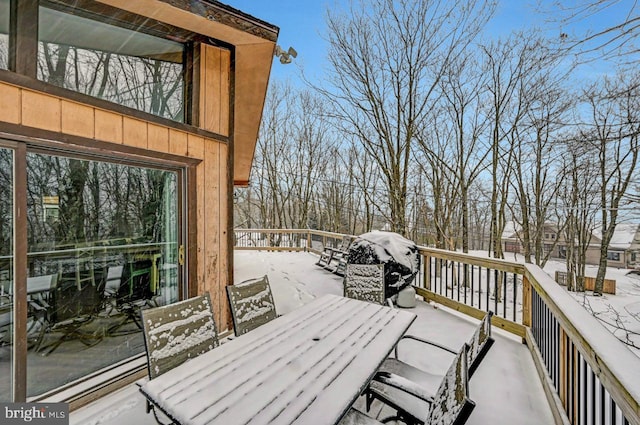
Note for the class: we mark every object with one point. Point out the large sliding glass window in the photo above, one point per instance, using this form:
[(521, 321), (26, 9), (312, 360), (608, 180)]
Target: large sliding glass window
[(6, 274), (130, 68), (102, 244), (4, 34)]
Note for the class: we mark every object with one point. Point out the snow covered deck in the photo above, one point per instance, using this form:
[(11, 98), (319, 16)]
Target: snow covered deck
[(506, 387)]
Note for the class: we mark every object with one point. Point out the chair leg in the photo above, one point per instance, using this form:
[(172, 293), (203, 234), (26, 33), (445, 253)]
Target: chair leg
[(151, 408), (408, 420)]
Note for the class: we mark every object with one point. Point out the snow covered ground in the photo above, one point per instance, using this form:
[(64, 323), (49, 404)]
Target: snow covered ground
[(505, 387), (620, 313)]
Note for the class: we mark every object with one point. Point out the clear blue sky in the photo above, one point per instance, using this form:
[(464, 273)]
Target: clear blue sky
[(302, 26)]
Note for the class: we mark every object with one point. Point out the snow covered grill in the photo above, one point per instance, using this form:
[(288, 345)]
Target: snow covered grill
[(308, 366), (398, 254)]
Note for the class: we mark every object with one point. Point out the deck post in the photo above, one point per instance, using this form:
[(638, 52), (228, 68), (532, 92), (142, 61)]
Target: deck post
[(427, 271)]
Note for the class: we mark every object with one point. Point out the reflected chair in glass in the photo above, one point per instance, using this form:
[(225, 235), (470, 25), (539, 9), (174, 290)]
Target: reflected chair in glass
[(365, 282), (119, 303), (127, 290), (73, 306), (6, 322), (40, 293), (251, 303)]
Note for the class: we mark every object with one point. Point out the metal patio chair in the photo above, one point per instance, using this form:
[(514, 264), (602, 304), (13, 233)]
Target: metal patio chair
[(365, 282), (450, 405), (251, 304), (411, 407), (175, 333)]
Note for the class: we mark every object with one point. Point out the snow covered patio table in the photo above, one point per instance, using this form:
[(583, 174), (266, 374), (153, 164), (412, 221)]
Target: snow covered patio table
[(306, 367)]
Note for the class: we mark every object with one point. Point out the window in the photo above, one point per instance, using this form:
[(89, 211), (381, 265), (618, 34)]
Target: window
[(613, 256), (126, 67), (562, 252), (4, 34), (102, 244), (512, 247)]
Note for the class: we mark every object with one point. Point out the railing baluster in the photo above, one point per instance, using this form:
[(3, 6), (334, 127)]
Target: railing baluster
[(488, 286), (593, 398), (602, 404), (515, 295), (503, 276), (473, 279), (479, 287), (496, 294), (458, 283), (453, 277), (466, 280), (440, 273)]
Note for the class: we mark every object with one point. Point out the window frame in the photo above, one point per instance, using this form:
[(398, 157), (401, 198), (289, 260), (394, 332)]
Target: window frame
[(185, 168), (614, 255), (23, 51)]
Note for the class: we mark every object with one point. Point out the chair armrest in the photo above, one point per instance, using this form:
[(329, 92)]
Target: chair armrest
[(37, 306), (424, 341), (403, 384)]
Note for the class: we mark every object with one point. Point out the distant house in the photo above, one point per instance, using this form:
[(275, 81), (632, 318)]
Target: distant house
[(624, 249), (552, 239)]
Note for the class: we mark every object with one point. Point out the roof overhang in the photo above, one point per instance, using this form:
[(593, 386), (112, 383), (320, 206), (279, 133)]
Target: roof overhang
[(254, 41)]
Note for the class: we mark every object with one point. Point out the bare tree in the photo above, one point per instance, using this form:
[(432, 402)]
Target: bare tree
[(616, 41), (386, 59), (505, 65), (579, 204), (537, 177), (445, 208), (293, 154), (613, 131), (463, 114)]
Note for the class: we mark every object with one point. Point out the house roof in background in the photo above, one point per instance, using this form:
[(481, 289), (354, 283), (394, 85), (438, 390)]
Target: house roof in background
[(623, 236)]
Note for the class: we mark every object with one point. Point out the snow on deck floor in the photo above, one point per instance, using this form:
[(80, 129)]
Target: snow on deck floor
[(505, 386)]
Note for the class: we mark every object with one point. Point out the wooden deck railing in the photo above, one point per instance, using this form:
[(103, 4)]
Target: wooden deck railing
[(589, 376)]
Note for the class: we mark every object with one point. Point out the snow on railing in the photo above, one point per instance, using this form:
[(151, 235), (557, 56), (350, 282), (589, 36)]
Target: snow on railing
[(589, 376)]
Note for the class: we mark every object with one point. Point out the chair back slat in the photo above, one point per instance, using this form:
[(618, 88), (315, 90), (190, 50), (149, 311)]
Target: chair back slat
[(177, 332), (365, 282), (480, 343), (451, 404), (251, 304)]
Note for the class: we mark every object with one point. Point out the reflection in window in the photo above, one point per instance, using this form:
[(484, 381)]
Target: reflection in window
[(6, 273), (102, 242), (4, 34), (112, 63)]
